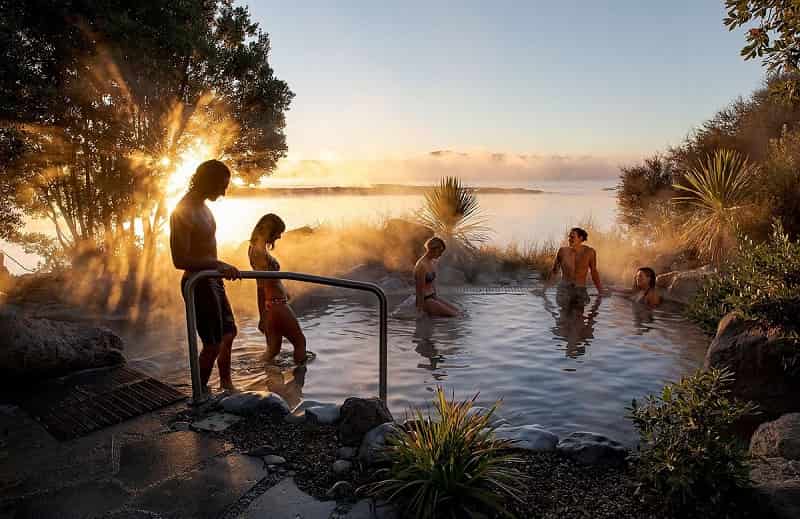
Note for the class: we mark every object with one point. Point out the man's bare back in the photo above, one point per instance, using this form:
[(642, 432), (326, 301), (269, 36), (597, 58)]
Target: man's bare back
[(575, 264)]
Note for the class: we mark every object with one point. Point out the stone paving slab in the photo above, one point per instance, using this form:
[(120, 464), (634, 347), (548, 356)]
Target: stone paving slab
[(286, 501), (367, 509), (89, 499), (146, 462), (203, 493), (216, 422)]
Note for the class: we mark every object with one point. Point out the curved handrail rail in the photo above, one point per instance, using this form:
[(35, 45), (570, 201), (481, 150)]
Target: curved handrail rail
[(199, 396)]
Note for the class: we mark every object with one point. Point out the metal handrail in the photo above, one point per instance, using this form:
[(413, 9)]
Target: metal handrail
[(199, 396)]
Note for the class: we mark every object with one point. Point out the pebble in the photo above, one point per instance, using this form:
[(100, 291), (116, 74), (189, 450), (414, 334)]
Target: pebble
[(262, 451), (272, 459), (326, 414), (341, 467), (346, 453)]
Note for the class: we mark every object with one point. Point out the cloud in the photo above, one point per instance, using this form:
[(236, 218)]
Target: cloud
[(483, 167)]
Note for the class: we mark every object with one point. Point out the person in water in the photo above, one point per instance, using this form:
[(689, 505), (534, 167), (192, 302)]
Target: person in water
[(575, 261), (644, 287), (277, 319), (427, 300), (194, 248)]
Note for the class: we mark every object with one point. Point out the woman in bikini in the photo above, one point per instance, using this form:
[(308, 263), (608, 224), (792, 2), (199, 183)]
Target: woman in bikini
[(644, 287), (425, 278), (277, 318)]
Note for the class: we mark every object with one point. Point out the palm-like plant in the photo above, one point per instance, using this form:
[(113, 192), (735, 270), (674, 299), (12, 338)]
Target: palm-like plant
[(718, 193), (450, 465), (452, 211)]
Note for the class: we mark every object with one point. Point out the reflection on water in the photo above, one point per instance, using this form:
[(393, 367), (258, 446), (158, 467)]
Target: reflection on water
[(566, 367), (572, 328), (287, 382)]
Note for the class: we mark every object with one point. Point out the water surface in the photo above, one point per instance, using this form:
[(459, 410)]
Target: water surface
[(565, 368)]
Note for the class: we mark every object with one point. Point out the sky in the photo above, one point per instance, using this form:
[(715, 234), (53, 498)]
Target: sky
[(586, 84)]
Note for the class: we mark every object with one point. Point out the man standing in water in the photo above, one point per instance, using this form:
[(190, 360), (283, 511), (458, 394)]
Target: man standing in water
[(575, 261), (194, 248)]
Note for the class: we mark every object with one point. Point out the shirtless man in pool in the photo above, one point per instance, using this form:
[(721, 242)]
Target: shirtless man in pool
[(575, 262), (194, 248)]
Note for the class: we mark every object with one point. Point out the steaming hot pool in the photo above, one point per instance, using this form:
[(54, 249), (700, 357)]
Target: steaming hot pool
[(566, 369)]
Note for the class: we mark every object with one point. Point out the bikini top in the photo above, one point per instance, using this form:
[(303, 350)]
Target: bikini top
[(429, 277), (262, 260)]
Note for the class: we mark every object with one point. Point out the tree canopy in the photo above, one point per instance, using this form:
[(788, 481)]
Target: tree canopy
[(775, 35), (99, 99)]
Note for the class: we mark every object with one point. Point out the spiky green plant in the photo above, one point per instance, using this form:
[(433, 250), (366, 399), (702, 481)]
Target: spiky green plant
[(452, 211), (450, 465), (718, 193)]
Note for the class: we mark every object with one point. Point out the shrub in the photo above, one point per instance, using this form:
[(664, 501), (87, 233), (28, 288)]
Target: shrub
[(762, 282), (688, 455), (452, 211), (450, 465), (779, 184), (718, 194), (644, 192)]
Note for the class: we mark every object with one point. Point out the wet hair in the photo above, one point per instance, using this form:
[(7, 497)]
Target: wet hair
[(580, 232), (208, 175), (435, 242), (650, 274), (268, 226)]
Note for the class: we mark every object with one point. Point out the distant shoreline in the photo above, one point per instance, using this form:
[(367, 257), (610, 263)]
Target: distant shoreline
[(373, 190)]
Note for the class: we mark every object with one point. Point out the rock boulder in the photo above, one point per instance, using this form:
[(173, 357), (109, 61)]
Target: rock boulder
[(253, 402), (682, 286), (359, 415), (34, 349), (777, 483), (593, 449), (756, 357), (779, 438), (324, 414), (373, 446), (530, 437)]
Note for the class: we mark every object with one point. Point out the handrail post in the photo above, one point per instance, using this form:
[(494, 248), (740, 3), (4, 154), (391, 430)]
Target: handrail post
[(199, 396)]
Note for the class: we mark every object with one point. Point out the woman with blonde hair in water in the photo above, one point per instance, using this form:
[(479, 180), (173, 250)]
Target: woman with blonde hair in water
[(427, 300), (277, 317)]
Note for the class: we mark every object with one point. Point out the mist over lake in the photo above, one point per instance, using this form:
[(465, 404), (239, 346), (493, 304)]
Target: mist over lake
[(513, 217)]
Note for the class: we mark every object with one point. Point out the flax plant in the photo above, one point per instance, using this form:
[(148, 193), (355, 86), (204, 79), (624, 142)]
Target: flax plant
[(718, 194), (452, 211), (450, 465)]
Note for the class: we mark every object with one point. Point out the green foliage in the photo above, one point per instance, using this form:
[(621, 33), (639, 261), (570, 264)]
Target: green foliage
[(776, 35), (778, 188), (452, 211), (688, 456), (762, 282), (718, 195), (450, 465), (644, 191)]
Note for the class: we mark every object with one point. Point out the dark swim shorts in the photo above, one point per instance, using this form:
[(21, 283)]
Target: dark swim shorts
[(213, 310), (569, 294)]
